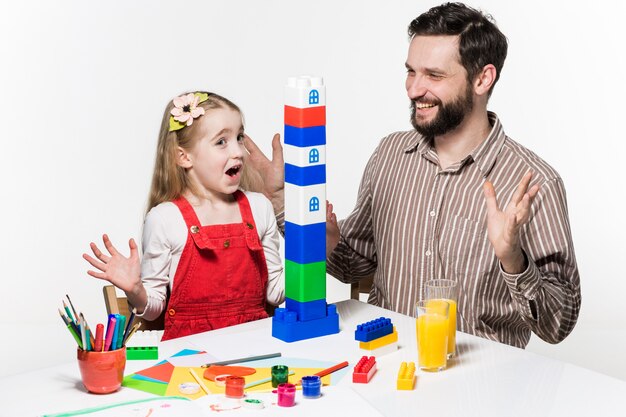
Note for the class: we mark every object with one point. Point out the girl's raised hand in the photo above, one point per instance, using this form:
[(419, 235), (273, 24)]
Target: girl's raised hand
[(119, 270)]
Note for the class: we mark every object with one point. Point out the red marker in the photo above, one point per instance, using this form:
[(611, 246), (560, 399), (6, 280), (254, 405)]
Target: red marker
[(99, 338)]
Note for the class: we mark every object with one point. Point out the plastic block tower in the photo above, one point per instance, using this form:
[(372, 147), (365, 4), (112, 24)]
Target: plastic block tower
[(306, 313)]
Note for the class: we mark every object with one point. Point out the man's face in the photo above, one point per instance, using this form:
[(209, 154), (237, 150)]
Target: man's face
[(437, 85)]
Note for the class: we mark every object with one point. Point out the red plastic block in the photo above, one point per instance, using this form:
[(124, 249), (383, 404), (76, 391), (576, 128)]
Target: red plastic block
[(364, 370), (308, 117)]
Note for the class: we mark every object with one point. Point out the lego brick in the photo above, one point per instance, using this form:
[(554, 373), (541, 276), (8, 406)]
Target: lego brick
[(364, 370), (305, 136), (143, 338), (309, 310), (304, 156), (305, 244), (381, 341), (307, 117), (142, 352), (382, 350), (374, 329), (286, 327), (406, 376), (305, 205), (305, 176), (305, 91), (305, 282)]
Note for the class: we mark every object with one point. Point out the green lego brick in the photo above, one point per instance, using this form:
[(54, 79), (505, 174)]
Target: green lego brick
[(305, 282), (142, 352)]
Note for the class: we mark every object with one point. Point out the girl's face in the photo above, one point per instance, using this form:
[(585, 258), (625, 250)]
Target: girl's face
[(215, 162)]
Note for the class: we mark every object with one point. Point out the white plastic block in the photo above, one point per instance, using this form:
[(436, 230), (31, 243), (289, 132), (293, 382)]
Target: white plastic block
[(300, 204), (306, 156), (383, 350), (145, 338), (305, 91)]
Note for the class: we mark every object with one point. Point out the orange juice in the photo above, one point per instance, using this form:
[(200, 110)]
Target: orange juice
[(432, 338), (445, 290), (451, 324), (451, 328)]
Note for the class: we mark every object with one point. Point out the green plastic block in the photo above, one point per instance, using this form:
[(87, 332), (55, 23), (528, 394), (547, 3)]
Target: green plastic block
[(142, 352), (305, 282)]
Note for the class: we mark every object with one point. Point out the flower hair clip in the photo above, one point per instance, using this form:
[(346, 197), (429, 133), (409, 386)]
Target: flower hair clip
[(186, 109)]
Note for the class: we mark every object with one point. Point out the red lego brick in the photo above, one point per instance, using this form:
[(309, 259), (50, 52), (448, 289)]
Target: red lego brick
[(364, 370), (308, 117)]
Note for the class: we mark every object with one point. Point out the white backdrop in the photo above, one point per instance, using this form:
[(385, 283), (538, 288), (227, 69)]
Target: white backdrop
[(83, 87)]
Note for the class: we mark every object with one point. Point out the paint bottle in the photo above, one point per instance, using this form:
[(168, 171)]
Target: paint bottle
[(280, 374), (311, 386), (234, 386), (286, 395)]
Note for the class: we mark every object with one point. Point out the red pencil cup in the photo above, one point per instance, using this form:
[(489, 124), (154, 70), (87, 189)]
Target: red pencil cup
[(102, 372)]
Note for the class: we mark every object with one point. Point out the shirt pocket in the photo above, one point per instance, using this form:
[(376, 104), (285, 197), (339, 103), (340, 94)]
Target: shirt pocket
[(464, 247)]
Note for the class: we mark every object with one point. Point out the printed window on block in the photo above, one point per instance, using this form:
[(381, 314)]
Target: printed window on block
[(314, 156), (314, 97), (314, 204)]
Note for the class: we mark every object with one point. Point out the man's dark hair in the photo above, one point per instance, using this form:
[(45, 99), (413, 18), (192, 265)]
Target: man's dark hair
[(480, 40)]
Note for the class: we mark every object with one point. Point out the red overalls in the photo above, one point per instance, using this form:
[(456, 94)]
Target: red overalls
[(221, 278)]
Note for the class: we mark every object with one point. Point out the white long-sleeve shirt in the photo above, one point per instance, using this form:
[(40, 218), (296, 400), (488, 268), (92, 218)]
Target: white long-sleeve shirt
[(164, 237)]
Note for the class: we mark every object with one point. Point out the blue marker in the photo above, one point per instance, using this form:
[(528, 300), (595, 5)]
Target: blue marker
[(121, 328)]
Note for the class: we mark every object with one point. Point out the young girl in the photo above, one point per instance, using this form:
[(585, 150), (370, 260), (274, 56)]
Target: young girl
[(213, 246)]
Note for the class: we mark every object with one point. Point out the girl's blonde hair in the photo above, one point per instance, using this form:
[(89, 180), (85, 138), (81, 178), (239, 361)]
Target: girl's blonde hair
[(170, 180)]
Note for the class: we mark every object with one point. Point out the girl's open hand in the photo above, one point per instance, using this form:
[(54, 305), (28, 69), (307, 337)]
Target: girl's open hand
[(119, 270)]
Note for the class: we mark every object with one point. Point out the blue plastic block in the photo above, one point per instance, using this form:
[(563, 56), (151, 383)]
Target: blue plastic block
[(305, 244), (307, 310), (374, 329), (305, 136), (304, 176), (285, 326)]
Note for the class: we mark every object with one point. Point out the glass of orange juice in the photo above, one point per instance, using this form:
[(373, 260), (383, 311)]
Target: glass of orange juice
[(432, 334), (448, 290)]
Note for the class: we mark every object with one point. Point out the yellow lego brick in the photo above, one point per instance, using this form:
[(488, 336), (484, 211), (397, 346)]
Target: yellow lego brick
[(406, 376), (381, 341)]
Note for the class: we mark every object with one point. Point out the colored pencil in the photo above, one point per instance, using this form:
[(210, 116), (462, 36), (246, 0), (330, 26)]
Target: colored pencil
[(197, 378), (89, 334), (263, 381), (69, 313), (70, 327), (248, 359), (83, 334), (132, 332), (330, 370), (129, 324), (71, 305), (75, 335)]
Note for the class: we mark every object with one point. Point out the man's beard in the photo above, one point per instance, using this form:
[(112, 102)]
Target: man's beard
[(449, 116)]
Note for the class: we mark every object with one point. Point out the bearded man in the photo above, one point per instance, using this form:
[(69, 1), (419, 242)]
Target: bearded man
[(427, 204)]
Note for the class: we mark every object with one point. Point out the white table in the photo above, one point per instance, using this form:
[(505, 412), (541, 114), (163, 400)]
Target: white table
[(486, 378)]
